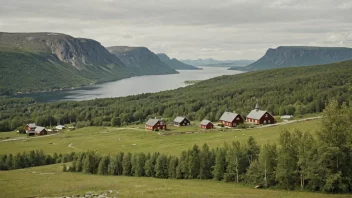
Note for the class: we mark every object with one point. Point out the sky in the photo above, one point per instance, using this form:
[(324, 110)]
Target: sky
[(188, 29)]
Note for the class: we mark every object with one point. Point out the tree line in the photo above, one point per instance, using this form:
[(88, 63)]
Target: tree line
[(300, 160), (31, 159)]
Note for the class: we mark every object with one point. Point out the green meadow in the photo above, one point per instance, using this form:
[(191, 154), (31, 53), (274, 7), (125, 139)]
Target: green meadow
[(136, 139), (50, 181)]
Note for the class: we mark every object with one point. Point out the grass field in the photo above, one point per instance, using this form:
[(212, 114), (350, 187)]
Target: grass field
[(51, 181), (112, 140)]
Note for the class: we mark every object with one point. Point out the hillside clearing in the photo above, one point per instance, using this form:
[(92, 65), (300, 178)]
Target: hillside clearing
[(112, 140)]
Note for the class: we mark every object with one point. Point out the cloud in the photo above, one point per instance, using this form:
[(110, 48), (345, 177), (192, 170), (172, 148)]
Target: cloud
[(227, 29)]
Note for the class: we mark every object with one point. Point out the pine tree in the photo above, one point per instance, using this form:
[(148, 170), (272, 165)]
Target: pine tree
[(253, 150), (161, 166), (141, 159), (220, 164), (126, 164), (194, 163), (287, 167), (103, 165), (206, 163)]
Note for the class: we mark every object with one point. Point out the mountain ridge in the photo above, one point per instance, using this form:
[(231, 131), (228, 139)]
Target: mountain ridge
[(294, 56), (176, 64)]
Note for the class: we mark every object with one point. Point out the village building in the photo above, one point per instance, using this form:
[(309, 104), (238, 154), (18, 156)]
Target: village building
[(286, 117), (206, 124), (38, 131), (231, 119), (60, 127), (155, 124), (181, 121), (257, 116), (30, 127)]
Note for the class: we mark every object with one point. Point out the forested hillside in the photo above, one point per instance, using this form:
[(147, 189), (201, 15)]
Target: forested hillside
[(295, 91), (32, 62)]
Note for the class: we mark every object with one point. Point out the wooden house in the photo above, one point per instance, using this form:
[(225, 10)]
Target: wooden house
[(257, 116), (30, 127), (206, 124), (60, 127), (40, 131), (231, 119), (181, 121), (155, 124)]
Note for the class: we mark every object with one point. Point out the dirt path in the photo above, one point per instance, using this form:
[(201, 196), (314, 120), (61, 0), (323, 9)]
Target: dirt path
[(27, 138), (70, 146)]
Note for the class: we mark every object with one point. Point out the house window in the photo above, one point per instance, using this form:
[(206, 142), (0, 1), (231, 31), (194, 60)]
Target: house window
[(238, 118), (266, 115)]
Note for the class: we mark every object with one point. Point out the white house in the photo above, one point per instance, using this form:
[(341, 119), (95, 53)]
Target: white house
[(60, 127)]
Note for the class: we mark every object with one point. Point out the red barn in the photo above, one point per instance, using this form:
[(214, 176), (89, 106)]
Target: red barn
[(257, 116), (206, 124), (155, 124), (231, 119)]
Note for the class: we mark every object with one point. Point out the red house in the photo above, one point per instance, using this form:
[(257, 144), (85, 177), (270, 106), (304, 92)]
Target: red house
[(155, 124), (206, 124), (257, 116), (30, 127), (231, 119)]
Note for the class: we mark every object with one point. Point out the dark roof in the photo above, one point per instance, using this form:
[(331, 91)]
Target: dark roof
[(152, 122), (228, 116), (39, 129), (256, 114), (179, 119), (205, 122)]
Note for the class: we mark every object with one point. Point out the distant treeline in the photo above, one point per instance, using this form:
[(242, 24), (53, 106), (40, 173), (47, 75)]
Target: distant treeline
[(322, 163), (32, 159), (293, 91)]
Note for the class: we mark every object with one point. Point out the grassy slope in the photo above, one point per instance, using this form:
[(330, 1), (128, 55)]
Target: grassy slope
[(39, 71), (105, 139), (51, 181)]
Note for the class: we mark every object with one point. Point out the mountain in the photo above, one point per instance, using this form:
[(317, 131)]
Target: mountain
[(141, 59), (293, 56), (176, 64), (217, 63), (62, 61)]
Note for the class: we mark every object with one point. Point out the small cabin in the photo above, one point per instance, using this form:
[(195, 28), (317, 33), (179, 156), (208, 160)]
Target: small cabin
[(181, 121), (257, 116), (286, 117), (206, 124), (155, 124), (30, 127), (60, 127), (231, 119), (38, 131)]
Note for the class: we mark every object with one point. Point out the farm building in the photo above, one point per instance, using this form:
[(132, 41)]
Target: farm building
[(38, 131), (231, 119), (287, 117), (30, 127), (257, 116), (181, 121), (206, 124), (60, 127), (155, 124)]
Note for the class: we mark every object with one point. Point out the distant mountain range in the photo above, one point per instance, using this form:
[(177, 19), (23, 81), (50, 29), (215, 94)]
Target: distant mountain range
[(141, 60), (33, 62), (176, 64), (217, 63), (294, 56)]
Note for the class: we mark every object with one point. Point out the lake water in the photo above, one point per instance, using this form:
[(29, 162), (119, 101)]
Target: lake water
[(133, 86)]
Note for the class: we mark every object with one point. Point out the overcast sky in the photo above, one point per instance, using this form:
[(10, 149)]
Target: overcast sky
[(188, 29)]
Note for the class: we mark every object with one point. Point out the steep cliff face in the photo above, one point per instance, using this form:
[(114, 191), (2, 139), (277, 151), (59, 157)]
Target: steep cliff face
[(286, 56), (141, 60), (176, 64), (79, 52), (73, 61)]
